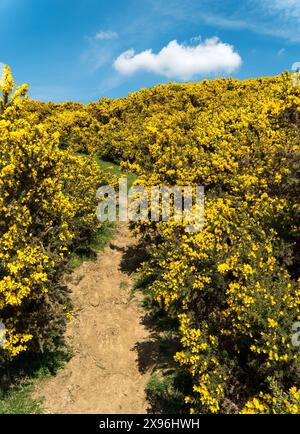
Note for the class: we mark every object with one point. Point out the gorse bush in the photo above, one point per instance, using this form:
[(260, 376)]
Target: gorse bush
[(235, 285), (47, 203), (232, 288), (79, 131)]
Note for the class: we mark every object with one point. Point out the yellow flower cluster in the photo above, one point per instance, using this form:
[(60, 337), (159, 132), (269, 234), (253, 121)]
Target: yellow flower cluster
[(233, 287), (47, 203), (202, 362), (277, 403)]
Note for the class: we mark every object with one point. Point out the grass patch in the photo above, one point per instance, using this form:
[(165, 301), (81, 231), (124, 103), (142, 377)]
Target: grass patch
[(18, 400), (123, 285), (164, 392), (116, 170), (18, 379), (89, 252)]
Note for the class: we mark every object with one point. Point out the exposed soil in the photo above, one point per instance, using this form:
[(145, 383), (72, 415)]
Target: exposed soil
[(104, 375)]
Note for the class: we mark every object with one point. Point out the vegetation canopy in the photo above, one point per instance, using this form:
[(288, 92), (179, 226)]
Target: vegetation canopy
[(232, 288)]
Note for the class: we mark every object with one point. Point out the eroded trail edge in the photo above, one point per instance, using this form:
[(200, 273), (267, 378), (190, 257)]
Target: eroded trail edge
[(103, 376)]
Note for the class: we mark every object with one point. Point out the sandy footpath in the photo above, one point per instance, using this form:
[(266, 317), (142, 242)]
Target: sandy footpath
[(103, 376)]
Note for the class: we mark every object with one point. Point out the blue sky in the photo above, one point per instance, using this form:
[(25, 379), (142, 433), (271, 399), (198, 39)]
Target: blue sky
[(81, 50)]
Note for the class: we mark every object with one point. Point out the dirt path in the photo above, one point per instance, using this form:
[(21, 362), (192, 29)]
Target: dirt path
[(103, 375)]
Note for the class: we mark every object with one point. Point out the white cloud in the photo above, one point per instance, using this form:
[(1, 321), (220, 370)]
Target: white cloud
[(224, 22), (181, 61), (280, 18), (100, 49), (289, 9), (105, 35), (275, 18)]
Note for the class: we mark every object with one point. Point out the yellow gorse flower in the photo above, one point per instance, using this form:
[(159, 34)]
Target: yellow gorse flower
[(47, 200)]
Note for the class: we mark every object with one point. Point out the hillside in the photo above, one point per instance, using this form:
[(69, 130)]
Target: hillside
[(226, 297)]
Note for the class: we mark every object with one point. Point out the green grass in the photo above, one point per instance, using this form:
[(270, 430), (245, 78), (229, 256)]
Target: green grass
[(164, 392), (18, 379), (18, 400), (116, 170), (113, 168), (123, 285), (89, 252)]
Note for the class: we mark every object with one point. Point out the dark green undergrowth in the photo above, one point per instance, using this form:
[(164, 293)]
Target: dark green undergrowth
[(88, 252), (164, 392), (18, 379), (168, 384)]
